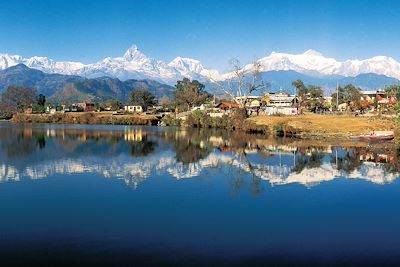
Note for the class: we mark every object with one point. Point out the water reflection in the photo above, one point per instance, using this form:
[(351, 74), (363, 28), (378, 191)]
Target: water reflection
[(135, 154)]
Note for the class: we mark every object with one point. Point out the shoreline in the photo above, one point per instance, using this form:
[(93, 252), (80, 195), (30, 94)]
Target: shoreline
[(87, 118), (307, 127)]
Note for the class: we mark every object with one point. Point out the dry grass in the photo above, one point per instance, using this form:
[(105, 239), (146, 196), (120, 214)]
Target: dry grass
[(327, 125)]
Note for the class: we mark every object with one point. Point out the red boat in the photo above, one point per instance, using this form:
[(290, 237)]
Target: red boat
[(375, 136)]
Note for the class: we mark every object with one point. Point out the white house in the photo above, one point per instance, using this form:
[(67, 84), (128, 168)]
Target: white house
[(133, 109), (280, 103)]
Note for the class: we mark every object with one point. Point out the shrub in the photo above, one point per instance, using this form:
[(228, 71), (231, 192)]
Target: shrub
[(170, 121)]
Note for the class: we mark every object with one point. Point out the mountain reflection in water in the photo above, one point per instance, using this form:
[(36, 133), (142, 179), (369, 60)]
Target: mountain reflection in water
[(135, 154)]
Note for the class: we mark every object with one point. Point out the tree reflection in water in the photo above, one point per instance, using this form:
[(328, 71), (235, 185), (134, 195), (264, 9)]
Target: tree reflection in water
[(143, 148), (348, 163), (21, 142), (309, 162)]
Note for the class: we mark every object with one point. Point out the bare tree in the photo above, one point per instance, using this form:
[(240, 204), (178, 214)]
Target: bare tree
[(241, 82)]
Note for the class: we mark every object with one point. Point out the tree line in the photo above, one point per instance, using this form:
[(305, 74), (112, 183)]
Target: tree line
[(187, 94), (190, 93), (312, 97)]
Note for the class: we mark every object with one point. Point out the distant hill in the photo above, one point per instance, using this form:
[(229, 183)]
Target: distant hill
[(108, 88), (47, 84), (69, 88)]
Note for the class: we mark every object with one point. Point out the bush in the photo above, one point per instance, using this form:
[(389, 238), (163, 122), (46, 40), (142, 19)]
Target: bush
[(170, 121), (237, 120)]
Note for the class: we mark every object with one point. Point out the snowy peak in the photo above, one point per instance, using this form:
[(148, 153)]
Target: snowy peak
[(133, 54), (186, 65), (313, 53)]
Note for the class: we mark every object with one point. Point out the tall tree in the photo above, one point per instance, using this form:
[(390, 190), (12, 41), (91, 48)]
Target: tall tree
[(348, 94), (315, 98), (190, 93), (242, 82), (41, 100), (301, 90), (142, 98), (393, 90)]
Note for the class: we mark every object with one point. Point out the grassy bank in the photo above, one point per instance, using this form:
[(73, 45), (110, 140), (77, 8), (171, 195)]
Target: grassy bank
[(323, 126), (86, 118)]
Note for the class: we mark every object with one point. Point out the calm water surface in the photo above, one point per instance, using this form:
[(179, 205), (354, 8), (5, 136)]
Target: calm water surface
[(148, 196)]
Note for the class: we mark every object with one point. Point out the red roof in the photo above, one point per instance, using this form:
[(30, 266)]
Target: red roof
[(225, 105)]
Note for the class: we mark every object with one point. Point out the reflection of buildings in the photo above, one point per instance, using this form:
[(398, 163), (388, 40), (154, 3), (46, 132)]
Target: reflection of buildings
[(133, 135)]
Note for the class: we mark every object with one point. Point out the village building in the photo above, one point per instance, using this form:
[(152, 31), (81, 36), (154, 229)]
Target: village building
[(133, 109), (227, 106), (86, 107), (280, 103), (378, 96)]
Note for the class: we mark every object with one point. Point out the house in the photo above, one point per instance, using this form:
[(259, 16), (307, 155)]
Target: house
[(86, 107), (251, 101), (381, 97), (51, 110), (280, 103), (28, 111), (227, 106), (133, 109), (372, 94), (201, 107), (282, 100)]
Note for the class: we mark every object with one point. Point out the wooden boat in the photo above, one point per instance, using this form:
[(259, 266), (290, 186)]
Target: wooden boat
[(375, 136)]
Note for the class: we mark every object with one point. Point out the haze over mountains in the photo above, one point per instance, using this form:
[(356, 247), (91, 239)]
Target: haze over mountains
[(64, 79)]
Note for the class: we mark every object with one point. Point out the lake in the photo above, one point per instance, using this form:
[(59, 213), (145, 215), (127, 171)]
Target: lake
[(156, 196)]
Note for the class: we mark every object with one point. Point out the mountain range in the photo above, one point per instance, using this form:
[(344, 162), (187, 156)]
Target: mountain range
[(132, 65), (116, 77), (136, 65)]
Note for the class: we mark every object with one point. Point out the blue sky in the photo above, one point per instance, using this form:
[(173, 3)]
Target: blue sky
[(211, 31)]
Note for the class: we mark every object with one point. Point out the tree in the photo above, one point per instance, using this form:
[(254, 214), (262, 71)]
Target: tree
[(242, 82), (190, 93), (112, 104), (348, 94), (41, 100), (39, 106), (314, 98), (301, 90), (17, 99), (166, 103), (393, 90), (311, 97), (6, 111), (142, 98)]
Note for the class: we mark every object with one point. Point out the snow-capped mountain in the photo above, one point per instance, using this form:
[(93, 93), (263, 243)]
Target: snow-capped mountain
[(132, 65), (136, 65), (314, 63)]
